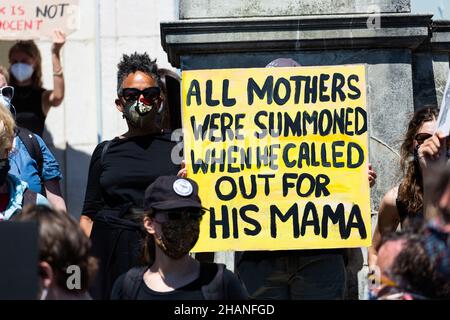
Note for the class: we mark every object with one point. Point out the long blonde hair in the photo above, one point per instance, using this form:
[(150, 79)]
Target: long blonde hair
[(7, 129)]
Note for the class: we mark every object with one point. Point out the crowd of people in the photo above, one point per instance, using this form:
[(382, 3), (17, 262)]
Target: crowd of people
[(141, 214)]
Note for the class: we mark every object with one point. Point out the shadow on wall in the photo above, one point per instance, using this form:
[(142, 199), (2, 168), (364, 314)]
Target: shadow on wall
[(74, 165), (424, 87)]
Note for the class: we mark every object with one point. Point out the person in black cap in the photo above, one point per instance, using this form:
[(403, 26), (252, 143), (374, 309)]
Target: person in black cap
[(173, 212)]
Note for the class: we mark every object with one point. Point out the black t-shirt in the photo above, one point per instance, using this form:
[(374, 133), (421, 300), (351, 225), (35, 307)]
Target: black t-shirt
[(28, 104), (192, 291), (128, 167)]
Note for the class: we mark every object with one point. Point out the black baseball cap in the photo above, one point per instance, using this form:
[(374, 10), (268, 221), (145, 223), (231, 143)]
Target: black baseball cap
[(172, 192)]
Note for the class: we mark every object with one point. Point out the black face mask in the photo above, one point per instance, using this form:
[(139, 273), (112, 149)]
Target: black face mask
[(179, 236), (4, 169)]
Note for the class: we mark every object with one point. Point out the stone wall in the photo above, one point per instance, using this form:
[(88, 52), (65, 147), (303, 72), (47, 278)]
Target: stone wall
[(201, 9)]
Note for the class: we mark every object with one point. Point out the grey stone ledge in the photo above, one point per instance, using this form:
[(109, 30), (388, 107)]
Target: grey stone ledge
[(198, 9), (440, 40), (293, 33)]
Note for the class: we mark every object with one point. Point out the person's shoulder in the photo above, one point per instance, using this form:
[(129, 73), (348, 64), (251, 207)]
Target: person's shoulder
[(102, 144), (208, 267), (213, 271), (19, 146), (40, 140), (390, 198), (127, 285), (166, 136), (229, 276), (388, 212), (99, 148), (117, 289), (234, 287)]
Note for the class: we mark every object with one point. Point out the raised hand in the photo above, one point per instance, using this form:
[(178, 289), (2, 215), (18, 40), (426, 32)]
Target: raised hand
[(59, 38)]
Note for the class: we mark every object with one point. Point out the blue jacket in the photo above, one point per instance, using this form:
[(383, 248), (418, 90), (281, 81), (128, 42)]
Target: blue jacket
[(16, 190), (25, 167)]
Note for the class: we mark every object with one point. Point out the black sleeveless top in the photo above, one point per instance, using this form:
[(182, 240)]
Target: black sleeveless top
[(28, 104), (407, 217)]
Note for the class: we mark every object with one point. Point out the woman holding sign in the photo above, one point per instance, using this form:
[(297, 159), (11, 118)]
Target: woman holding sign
[(403, 204), (31, 101), (122, 168)]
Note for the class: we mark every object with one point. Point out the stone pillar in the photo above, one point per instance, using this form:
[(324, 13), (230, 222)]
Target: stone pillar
[(431, 66), (382, 34)]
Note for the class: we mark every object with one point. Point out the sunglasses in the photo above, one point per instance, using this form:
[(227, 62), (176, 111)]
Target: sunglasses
[(7, 92), (421, 137), (150, 94)]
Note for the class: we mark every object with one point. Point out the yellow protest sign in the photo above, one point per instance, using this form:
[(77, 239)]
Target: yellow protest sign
[(280, 156), (36, 19)]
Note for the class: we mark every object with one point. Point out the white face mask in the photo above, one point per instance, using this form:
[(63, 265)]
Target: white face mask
[(22, 71)]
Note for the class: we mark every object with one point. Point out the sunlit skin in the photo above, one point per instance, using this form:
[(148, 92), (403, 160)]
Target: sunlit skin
[(388, 215), (387, 254), (3, 81), (427, 127)]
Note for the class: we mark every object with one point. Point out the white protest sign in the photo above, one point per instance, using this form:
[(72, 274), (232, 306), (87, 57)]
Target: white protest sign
[(36, 19)]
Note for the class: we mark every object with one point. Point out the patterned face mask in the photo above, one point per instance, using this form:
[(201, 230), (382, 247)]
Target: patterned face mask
[(179, 236), (140, 114)]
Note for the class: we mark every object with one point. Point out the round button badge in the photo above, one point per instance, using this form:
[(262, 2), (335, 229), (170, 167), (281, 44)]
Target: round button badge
[(183, 187)]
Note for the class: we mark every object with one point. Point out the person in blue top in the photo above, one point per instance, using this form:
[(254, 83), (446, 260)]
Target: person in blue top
[(15, 194), (42, 174)]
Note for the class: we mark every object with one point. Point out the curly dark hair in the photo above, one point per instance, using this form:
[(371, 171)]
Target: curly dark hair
[(410, 191), (62, 243), (413, 269), (137, 62)]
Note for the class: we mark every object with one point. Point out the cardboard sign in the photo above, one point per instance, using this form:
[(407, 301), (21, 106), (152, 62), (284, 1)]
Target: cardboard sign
[(36, 19), (19, 260), (280, 156)]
